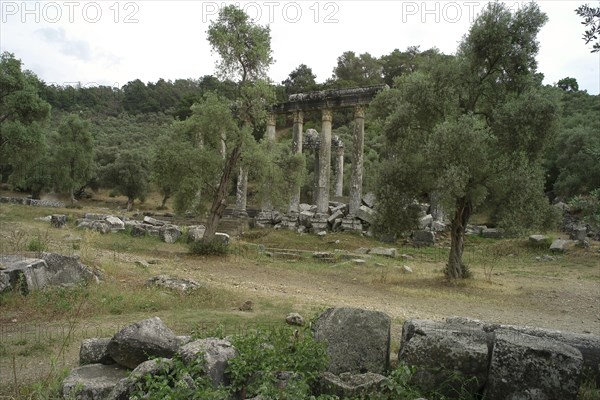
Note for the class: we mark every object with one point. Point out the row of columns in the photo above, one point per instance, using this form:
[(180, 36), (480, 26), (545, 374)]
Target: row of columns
[(323, 167), (323, 164)]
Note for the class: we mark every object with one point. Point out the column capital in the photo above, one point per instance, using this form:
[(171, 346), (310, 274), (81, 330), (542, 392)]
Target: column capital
[(298, 117), (359, 112), (327, 114), (271, 119)]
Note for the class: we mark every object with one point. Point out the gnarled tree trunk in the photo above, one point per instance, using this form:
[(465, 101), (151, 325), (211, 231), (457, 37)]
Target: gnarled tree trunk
[(219, 200), (456, 269)]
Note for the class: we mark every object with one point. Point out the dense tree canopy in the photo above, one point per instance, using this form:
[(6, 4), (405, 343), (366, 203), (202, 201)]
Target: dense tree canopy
[(23, 116), (471, 129)]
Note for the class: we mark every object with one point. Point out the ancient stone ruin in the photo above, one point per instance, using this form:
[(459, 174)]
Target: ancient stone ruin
[(27, 274), (498, 361)]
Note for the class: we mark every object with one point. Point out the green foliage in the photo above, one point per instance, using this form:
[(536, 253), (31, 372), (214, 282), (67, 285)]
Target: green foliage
[(244, 47), (397, 384), (572, 163), (212, 248), (591, 19), (262, 353), (588, 207), (23, 115), (353, 70), (178, 381), (471, 129), (300, 80), (72, 154), (568, 84), (129, 175)]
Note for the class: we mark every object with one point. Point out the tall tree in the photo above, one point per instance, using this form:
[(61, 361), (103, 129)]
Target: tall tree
[(23, 115), (353, 70), (129, 175), (244, 49), (73, 154), (568, 84), (471, 129), (300, 80)]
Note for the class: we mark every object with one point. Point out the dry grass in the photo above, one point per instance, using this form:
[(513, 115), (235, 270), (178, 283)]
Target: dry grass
[(509, 285)]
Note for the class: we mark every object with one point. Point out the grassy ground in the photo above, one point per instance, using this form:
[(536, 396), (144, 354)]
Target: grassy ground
[(40, 333)]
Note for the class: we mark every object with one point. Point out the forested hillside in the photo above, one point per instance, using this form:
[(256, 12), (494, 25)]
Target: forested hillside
[(69, 139)]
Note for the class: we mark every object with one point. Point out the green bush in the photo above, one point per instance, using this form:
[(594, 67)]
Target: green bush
[(209, 249), (179, 382), (271, 351)]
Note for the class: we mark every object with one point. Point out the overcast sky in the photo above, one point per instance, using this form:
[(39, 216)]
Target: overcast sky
[(114, 42)]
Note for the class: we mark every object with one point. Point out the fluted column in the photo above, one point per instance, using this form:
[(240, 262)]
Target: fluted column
[(296, 149), (357, 160), (324, 162), (266, 203), (271, 127), (339, 171), (241, 192)]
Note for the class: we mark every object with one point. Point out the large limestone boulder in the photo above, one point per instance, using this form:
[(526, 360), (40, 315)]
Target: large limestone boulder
[(358, 341), (215, 355), (447, 357), (23, 274), (92, 382), (95, 351), (195, 233), (30, 274), (67, 270), (587, 344), (169, 233), (528, 367), (366, 214), (141, 341)]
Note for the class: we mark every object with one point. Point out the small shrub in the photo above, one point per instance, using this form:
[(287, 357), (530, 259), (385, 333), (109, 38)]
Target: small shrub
[(38, 244), (209, 249), (284, 349), (180, 381)]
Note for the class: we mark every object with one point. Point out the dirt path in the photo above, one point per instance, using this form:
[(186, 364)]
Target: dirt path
[(568, 304)]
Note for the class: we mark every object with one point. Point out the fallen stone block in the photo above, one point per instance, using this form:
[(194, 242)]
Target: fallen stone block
[(142, 340), (528, 367), (358, 341), (348, 385), (383, 251), (95, 351), (92, 382), (215, 355)]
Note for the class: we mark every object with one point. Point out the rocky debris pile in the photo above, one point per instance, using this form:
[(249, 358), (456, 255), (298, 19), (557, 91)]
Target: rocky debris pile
[(308, 220), (459, 355), (573, 224), (149, 226), (101, 223), (50, 269), (32, 202), (169, 282)]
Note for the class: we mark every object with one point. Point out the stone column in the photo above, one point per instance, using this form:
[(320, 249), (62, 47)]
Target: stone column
[(324, 163), (315, 196), (241, 193), (271, 127), (296, 149), (357, 160), (339, 171), (266, 203)]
